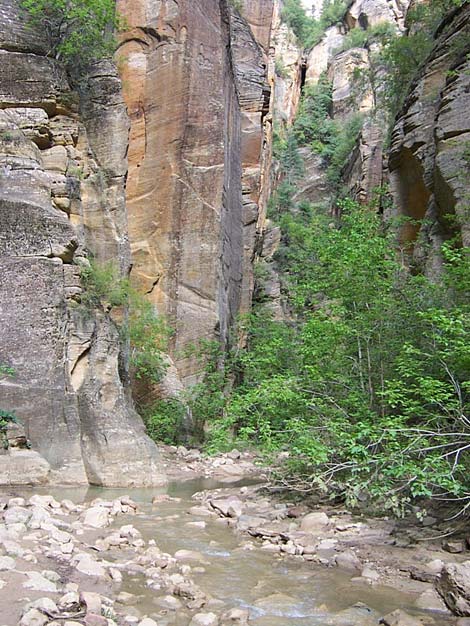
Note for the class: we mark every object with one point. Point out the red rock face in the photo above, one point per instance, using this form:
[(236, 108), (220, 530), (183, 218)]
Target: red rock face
[(194, 80)]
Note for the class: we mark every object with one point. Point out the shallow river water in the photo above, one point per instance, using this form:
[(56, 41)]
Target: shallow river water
[(306, 594)]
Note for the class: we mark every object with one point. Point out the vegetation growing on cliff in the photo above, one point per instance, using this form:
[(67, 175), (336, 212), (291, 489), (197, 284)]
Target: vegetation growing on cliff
[(147, 332), (308, 29), (77, 32)]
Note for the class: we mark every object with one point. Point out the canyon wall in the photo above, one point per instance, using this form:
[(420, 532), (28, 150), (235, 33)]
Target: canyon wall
[(430, 153), (162, 167), (62, 196), (196, 86)]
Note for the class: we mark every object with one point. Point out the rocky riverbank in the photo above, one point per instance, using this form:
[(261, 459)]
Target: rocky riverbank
[(230, 555)]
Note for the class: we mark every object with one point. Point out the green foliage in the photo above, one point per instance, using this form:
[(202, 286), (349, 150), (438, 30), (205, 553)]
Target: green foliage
[(77, 31), (6, 418), (104, 287), (313, 125), (164, 419), (206, 399), (148, 334), (401, 57), (367, 386), (307, 29), (280, 68), (364, 38), (237, 5), (6, 370), (315, 128)]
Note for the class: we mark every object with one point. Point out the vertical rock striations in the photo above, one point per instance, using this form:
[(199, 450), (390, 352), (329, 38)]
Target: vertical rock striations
[(195, 83), (62, 179), (430, 152)]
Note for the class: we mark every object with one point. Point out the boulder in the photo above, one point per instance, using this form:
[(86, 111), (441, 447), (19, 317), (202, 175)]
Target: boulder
[(96, 517), (430, 600), (33, 617), (229, 507), (314, 522), (453, 586), (204, 619), (38, 582), (6, 563), (348, 560), (87, 565)]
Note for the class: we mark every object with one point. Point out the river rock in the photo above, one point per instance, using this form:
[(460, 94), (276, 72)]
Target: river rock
[(430, 600), (277, 601), (453, 586), (170, 603), (370, 574), (314, 522), (6, 563), (454, 547), (204, 619), (400, 618), (348, 560), (229, 507), (87, 565), (16, 514), (43, 501), (236, 616), (96, 517), (189, 555), (128, 599), (147, 621), (61, 536), (33, 618), (92, 601), (43, 604), (39, 516), (359, 614), (93, 619), (38, 582)]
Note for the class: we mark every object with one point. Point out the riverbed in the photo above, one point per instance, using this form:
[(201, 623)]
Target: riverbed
[(223, 570)]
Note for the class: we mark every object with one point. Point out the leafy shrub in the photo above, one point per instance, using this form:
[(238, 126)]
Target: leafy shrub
[(148, 332), (164, 419), (237, 5), (307, 29), (77, 31), (401, 57), (6, 418), (366, 387)]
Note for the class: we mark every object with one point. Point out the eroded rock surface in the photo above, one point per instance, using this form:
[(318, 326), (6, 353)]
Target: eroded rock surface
[(429, 153), (62, 177), (197, 159)]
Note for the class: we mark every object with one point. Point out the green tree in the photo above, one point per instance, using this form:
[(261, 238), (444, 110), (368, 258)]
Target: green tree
[(77, 32)]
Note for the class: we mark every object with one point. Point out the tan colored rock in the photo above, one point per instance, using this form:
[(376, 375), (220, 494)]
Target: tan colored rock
[(70, 364), (188, 146), (55, 159)]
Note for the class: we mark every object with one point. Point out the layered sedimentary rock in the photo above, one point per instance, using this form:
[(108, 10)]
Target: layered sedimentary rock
[(195, 83), (62, 178), (429, 159)]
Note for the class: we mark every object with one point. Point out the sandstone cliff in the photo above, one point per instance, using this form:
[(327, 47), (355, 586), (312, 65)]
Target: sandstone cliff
[(430, 157), (196, 86), (164, 168), (62, 185)]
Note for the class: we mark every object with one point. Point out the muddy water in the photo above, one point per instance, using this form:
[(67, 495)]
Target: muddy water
[(306, 595)]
